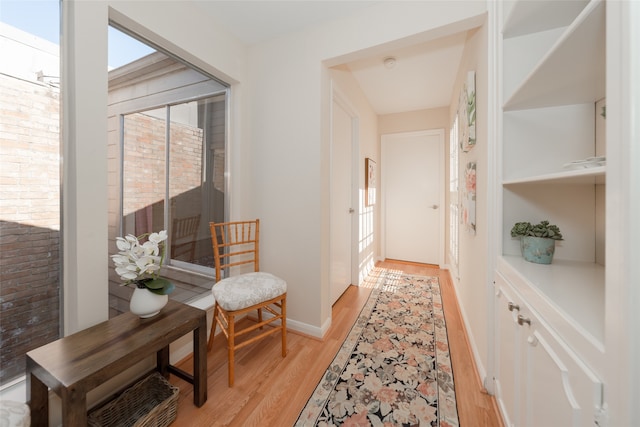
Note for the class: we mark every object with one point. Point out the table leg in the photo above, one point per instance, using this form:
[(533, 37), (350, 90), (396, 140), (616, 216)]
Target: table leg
[(200, 363), (162, 361), (74, 408), (38, 400)]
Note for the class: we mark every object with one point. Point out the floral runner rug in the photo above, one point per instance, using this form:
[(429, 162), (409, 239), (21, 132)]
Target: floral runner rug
[(393, 369)]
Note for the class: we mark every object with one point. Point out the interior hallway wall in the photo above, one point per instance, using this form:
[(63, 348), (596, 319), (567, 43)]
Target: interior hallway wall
[(412, 121), (288, 129), (473, 286)]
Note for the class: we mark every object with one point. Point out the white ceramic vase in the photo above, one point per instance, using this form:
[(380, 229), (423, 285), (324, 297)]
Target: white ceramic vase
[(145, 303)]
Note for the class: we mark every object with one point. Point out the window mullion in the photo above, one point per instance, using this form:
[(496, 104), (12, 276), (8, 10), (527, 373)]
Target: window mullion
[(167, 159)]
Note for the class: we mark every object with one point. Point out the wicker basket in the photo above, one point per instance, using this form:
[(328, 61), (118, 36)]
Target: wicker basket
[(151, 402)]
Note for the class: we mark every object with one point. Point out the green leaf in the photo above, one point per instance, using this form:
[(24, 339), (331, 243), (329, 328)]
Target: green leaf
[(160, 286)]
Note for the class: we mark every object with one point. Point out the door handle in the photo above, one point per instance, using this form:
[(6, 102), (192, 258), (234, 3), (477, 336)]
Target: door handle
[(351, 210), (434, 206), (522, 320)]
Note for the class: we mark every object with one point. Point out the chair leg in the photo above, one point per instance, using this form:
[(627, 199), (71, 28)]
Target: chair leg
[(214, 321), (231, 342), (283, 324)]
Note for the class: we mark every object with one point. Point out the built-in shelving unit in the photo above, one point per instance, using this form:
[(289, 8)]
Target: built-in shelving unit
[(572, 71), (537, 16), (594, 175), (548, 317), (549, 119)]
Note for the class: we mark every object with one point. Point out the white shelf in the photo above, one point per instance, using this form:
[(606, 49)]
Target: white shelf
[(553, 73), (594, 175), (573, 71), (568, 293), (526, 17)]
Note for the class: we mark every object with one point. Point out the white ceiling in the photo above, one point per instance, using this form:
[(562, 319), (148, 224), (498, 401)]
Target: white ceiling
[(254, 21), (423, 75)]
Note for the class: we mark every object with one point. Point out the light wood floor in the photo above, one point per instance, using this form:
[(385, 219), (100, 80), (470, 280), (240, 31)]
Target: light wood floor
[(270, 390)]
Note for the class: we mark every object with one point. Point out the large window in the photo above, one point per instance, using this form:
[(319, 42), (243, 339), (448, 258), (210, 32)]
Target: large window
[(173, 176), (30, 291), (167, 121)]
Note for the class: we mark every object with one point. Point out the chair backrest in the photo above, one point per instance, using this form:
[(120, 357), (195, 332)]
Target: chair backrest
[(235, 243), (184, 235)]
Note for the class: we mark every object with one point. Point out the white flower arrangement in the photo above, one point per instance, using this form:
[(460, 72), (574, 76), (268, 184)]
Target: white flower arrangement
[(139, 263)]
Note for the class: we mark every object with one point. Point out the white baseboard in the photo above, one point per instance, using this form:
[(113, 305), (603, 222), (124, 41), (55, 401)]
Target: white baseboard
[(305, 328), (482, 372)]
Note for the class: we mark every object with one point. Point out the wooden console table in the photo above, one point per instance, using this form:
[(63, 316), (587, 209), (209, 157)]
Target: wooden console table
[(73, 365)]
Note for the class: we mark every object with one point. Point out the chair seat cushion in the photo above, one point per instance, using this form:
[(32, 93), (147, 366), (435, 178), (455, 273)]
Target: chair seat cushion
[(14, 414), (242, 291)]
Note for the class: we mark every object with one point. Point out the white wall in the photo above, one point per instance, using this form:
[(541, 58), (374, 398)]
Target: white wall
[(287, 128), (410, 121), (84, 164), (474, 286)]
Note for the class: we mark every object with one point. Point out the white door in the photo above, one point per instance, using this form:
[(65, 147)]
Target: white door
[(341, 209), (412, 176)]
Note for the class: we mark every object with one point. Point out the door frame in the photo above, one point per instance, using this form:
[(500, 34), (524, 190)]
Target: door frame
[(341, 99), (441, 200)]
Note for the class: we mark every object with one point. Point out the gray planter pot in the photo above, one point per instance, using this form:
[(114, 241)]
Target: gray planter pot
[(538, 249)]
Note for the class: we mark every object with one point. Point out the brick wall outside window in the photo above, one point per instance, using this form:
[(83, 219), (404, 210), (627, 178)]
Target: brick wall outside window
[(144, 170), (29, 220)]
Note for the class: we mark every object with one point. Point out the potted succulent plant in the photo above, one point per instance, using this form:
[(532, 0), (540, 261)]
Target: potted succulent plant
[(537, 242)]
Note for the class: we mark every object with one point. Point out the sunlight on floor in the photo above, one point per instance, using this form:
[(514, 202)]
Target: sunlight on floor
[(380, 276)]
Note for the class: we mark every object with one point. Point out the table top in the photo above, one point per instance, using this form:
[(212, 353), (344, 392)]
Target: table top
[(90, 357)]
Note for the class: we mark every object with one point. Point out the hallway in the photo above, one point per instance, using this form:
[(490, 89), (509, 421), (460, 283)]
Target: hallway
[(271, 391)]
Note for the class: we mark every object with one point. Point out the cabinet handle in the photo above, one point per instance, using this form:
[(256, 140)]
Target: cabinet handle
[(511, 306), (522, 320)]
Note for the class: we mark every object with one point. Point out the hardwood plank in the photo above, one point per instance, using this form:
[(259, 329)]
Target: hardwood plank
[(271, 390)]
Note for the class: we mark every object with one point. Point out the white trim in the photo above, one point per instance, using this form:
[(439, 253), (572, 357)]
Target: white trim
[(482, 371), (494, 176), (622, 297), (304, 328)]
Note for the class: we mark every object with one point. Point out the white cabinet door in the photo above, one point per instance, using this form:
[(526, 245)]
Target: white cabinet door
[(539, 380), (561, 391), (508, 356)]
